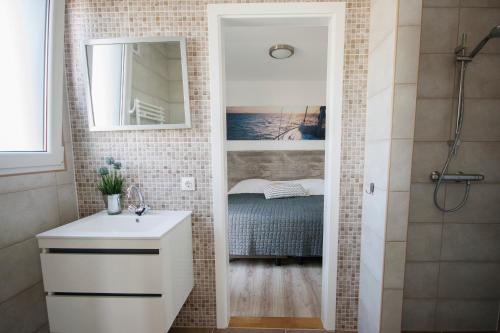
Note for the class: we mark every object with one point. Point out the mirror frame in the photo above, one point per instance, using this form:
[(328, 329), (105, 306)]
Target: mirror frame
[(127, 40)]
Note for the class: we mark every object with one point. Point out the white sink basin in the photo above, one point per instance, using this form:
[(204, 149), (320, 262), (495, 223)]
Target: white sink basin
[(153, 225)]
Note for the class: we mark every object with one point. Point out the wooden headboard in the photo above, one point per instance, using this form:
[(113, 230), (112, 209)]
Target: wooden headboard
[(275, 165)]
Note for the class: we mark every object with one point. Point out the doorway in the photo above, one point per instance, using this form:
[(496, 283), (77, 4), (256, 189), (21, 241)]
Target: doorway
[(331, 16)]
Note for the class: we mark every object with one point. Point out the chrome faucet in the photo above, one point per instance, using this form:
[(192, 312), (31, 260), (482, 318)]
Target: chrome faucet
[(142, 208)]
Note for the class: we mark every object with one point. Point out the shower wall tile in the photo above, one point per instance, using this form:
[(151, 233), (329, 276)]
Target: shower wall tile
[(457, 315), (424, 242), (469, 280), (428, 156), (410, 12), (421, 280), (379, 113), (422, 207), (439, 30), (482, 206), (480, 3), (408, 44), (477, 29), (372, 253), (433, 119), (377, 163), (397, 216), (403, 117), (479, 157), (371, 303), (394, 265), (471, 242), (374, 212), (381, 65), (380, 29), (440, 3), (436, 76), (400, 168), (392, 308), (482, 78), (419, 315), (482, 120)]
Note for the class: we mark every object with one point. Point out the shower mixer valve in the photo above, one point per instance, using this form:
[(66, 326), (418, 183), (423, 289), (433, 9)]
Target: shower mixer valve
[(458, 177)]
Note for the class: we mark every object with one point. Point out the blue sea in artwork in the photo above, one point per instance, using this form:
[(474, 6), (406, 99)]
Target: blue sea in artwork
[(270, 126)]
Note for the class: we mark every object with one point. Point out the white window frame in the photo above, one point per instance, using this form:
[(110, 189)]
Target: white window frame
[(53, 158)]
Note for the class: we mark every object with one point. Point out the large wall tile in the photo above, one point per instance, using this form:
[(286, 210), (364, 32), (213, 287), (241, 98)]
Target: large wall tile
[(439, 30), (377, 163), (394, 265), (427, 157), (422, 207), (410, 12), (68, 207), (440, 3), (372, 253), (421, 280), (392, 308), (433, 119), (28, 213), (378, 115), (424, 241), (479, 157), (403, 116), (469, 280), (479, 207), (481, 120), (480, 3), (471, 242), (381, 65), (483, 81), (478, 29), (18, 183), (382, 21), (370, 301), (25, 312), (375, 212), (398, 206), (436, 75), (458, 315), (419, 315), (407, 53), (20, 268), (401, 159)]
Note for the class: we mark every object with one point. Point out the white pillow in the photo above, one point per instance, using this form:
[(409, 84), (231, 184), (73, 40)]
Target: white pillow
[(250, 186), (312, 186), (284, 190)]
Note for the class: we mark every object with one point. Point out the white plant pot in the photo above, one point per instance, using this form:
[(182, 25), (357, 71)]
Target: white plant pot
[(114, 205)]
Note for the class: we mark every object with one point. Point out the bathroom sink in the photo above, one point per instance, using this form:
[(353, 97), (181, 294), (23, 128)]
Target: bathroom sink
[(124, 226)]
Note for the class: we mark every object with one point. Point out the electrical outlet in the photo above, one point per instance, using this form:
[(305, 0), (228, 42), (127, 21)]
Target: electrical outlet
[(188, 184)]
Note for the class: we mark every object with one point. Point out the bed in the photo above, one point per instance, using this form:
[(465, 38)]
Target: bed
[(285, 227)]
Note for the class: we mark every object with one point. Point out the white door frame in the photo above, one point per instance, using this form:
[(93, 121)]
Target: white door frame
[(333, 14)]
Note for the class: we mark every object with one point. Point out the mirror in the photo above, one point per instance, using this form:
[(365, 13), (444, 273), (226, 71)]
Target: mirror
[(138, 83)]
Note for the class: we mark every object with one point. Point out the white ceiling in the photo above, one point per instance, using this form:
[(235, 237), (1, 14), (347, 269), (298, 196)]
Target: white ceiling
[(247, 53)]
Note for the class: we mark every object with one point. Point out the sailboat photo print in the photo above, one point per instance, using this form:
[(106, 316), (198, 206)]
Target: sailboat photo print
[(280, 123)]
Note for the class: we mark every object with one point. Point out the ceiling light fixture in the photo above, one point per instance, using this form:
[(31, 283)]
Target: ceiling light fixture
[(281, 51)]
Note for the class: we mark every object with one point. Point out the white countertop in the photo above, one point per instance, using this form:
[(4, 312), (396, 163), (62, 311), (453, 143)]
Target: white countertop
[(152, 225)]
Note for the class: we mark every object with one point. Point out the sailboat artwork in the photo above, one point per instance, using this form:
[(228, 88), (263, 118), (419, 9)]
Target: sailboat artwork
[(287, 123)]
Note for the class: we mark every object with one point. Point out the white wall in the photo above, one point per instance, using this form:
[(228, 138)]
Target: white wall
[(275, 93)]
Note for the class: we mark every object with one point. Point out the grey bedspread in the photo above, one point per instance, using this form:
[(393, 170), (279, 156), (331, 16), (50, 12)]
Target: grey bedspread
[(276, 227)]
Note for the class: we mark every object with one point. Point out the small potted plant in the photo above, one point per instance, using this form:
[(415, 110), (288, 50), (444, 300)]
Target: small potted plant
[(111, 185)]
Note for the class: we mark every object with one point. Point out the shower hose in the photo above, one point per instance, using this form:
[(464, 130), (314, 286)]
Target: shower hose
[(454, 149)]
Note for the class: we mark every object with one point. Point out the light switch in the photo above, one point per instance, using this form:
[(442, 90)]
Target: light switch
[(188, 184)]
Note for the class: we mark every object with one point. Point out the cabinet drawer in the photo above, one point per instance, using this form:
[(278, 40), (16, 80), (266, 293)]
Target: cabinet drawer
[(101, 273), (85, 314)]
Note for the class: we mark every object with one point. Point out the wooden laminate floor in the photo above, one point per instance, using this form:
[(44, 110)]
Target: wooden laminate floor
[(259, 288)]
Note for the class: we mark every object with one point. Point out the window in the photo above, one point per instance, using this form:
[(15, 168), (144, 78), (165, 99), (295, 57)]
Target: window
[(31, 67)]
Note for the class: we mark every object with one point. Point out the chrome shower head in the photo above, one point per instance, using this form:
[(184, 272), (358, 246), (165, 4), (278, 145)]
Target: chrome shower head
[(494, 33)]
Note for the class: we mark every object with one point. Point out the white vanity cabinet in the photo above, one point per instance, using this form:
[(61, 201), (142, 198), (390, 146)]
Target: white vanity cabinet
[(123, 273)]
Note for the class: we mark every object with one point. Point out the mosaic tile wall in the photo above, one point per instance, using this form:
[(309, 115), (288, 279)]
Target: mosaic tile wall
[(155, 160)]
